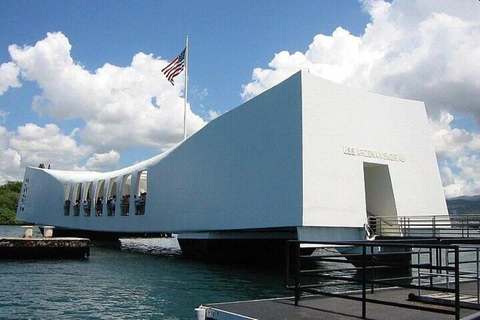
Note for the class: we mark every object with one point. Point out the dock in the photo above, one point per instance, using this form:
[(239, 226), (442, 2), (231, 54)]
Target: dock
[(427, 279), (44, 248), (333, 308)]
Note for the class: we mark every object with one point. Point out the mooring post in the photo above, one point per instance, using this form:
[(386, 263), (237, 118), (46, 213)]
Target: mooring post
[(48, 231), (28, 231)]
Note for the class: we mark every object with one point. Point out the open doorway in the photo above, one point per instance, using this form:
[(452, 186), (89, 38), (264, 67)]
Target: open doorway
[(99, 193), (140, 195), (126, 190), (78, 198), (67, 197), (380, 200), (87, 200)]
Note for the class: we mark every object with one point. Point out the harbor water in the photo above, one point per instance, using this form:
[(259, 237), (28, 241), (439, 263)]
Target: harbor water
[(147, 279)]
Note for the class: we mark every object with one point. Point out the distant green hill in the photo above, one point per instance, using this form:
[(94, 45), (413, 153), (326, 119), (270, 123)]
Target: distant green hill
[(9, 194), (464, 205)]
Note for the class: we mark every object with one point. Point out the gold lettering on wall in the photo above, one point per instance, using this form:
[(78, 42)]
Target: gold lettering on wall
[(352, 151)]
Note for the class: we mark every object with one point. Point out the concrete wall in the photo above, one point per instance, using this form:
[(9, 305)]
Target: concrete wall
[(342, 129), (243, 170), (41, 200), (291, 157)]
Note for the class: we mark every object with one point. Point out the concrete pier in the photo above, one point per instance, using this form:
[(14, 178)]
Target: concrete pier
[(44, 248)]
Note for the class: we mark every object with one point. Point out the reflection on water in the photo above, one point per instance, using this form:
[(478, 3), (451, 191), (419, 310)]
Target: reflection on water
[(154, 246), (147, 279)]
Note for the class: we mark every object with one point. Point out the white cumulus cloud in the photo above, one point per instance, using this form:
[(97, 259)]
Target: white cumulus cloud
[(103, 161), (461, 177), (458, 154), (424, 50), (118, 107), (8, 77), (10, 166), (450, 141), (31, 145), (121, 106), (46, 145)]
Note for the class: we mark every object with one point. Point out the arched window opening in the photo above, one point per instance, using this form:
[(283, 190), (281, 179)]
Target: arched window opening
[(87, 201), (66, 199), (141, 193), (78, 194), (112, 197), (126, 189), (99, 197)]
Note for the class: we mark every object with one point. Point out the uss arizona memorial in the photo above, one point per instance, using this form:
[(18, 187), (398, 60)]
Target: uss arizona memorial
[(308, 159)]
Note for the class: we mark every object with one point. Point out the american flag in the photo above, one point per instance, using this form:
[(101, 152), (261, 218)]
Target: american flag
[(175, 66)]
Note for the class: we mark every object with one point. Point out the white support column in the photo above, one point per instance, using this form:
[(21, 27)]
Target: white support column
[(106, 191), (93, 199), (118, 193)]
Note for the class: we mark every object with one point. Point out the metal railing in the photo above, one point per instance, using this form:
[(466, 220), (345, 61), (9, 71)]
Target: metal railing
[(456, 226), (371, 265), (469, 255)]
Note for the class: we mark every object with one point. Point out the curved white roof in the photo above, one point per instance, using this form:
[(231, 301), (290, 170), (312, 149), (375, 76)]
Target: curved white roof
[(79, 176)]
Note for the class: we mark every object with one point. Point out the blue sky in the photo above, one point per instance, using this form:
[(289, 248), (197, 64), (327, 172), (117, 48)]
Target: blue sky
[(228, 40)]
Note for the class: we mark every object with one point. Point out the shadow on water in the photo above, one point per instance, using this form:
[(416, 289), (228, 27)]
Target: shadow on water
[(169, 247)]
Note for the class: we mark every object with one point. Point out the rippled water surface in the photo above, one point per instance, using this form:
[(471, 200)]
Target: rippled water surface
[(147, 279)]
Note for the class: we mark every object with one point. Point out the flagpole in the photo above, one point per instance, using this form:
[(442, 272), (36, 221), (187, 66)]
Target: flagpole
[(186, 92)]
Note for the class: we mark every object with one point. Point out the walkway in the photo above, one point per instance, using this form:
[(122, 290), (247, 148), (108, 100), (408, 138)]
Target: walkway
[(320, 308)]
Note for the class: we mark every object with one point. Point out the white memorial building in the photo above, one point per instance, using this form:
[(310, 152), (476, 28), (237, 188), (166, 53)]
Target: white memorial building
[(307, 159)]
